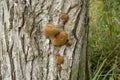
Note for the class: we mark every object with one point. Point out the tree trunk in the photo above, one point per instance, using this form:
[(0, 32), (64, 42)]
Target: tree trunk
[(25, 52)]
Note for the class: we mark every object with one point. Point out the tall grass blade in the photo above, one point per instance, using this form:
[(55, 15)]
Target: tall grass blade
[(99, 70)]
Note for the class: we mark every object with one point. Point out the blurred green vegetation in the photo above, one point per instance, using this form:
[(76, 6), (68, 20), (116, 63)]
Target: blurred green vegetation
[(104, 39)]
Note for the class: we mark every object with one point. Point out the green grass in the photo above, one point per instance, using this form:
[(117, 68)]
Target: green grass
[(104, 39)]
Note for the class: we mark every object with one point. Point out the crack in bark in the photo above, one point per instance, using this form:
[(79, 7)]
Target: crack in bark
[(33, 24), (7, 1), (38, 13), (3, 15), (47, 67), (11, 62), (31, 15), (21, 68), (42, 68), (39, 50), (19, 29), (64, 51), (22, 43), (30, 2), (77, 21), (24, 1), (6, 37), (0, 71), (11, 16), (70, 77), (23, 17), (32, 28), (43, 4), (26, 54), (31, 68), (50, 7)]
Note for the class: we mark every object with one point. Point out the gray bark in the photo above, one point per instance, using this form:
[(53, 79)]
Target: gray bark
[(25, 52)]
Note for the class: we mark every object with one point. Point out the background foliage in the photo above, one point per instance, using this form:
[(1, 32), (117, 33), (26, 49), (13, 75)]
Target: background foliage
[(104, 39)]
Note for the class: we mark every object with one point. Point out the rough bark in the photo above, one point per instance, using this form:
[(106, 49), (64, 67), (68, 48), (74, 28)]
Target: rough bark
[(25, 52)]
